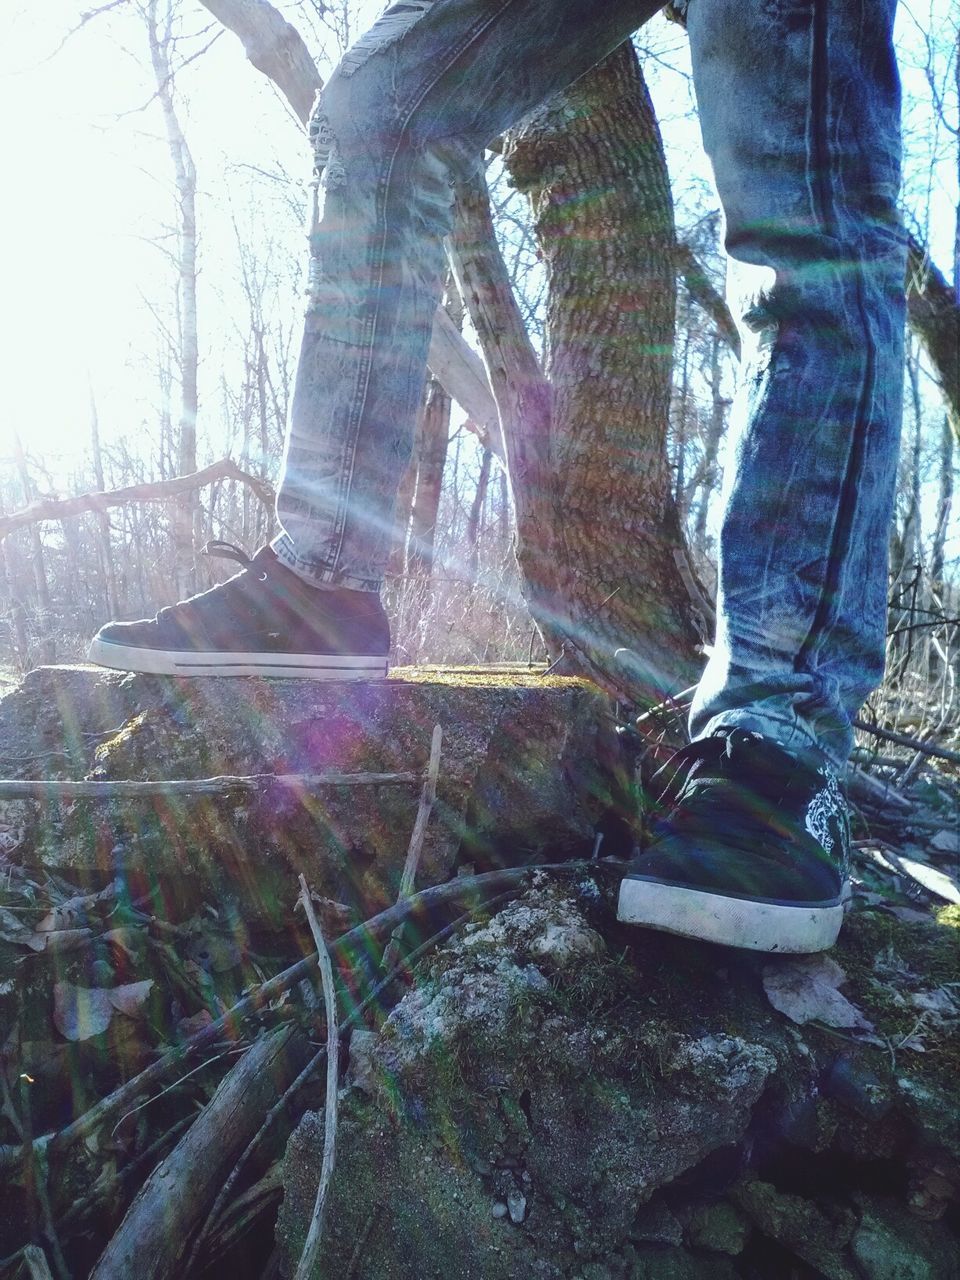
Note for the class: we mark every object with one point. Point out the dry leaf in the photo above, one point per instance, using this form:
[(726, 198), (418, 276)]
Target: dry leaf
[(129, 939), (66, 915), (129, 997), (806, 991), (61, 940), (80, 1012), (12, 927)]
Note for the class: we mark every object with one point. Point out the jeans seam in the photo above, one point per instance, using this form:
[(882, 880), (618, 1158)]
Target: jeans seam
[(370, 327), (827, 605)]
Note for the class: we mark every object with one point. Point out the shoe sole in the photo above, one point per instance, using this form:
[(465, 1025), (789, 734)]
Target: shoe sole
[(299, 666), (747, 923)]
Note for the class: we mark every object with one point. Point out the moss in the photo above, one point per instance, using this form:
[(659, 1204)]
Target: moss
[(504, 676), (886, 960), (122, 738)]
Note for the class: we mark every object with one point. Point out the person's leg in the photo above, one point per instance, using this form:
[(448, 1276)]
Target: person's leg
[(799, 103), (800, 109), (407, 111)]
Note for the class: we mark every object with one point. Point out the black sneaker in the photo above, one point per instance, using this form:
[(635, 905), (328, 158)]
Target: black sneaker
[(750, 849), (264, 621)]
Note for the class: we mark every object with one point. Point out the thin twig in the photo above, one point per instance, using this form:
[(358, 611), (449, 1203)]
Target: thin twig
[(175, 1083), (674, 703), (903, 740), (125, 788), (427, 797), (314, 1235), (426, 901)]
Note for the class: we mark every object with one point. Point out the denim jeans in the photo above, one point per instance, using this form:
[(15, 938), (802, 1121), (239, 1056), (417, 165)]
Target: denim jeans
[(799, 106)]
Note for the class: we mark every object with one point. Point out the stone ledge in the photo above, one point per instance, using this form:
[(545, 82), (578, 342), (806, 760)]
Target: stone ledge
[(527, 765)]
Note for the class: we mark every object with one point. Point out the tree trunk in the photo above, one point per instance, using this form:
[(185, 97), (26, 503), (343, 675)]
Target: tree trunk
[(47, 641), (187, 510), (934, 313), (603, 576), (434, 436), (944, 504), (103, 520), (475, 520), (706, 477)]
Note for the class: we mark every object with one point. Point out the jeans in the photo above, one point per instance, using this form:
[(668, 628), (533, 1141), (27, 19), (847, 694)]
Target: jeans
[(799, 106)]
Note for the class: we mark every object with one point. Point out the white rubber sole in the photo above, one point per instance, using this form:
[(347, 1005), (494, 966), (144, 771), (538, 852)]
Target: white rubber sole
[(299, 666), (730, 922)]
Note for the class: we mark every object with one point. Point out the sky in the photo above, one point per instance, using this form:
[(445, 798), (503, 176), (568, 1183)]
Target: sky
[(89, 197)]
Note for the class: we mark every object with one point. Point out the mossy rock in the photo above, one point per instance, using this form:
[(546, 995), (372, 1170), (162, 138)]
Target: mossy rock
[(529, 764)]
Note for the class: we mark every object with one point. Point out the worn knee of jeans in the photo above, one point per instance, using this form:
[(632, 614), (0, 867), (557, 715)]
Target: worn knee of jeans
[(376, 169)]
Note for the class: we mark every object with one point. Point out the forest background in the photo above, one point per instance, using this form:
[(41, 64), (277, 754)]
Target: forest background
[(154, 276)]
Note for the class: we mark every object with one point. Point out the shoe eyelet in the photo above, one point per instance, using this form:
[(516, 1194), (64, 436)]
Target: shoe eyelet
[(262, 577)]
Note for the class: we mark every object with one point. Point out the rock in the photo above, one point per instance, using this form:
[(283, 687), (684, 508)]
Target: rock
[(946, 841), (799, 1225), (526, 765), (656, 1224), (489, 1056), (855, 1084), (517, 1206), (889, 1244), (499, 1210), (720, 1227), (678, 1264), (933, 1182)]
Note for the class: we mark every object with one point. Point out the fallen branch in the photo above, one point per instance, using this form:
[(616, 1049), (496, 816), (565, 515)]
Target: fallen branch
[(35, 1263), (903, 740), (866, 789), (315, 1233), (127, 789), (150, 491), (352, 1019), (158, 1226)]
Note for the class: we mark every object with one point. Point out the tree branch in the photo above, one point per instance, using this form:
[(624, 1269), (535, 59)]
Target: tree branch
[(150, 491), (935, 319), (705, 295)]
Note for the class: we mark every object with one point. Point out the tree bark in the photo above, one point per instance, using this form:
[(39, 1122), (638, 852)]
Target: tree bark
[(604, 582), (934, 313)]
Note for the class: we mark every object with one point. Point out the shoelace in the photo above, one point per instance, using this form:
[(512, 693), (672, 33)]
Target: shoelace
[(222, 550), (226, 551)]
